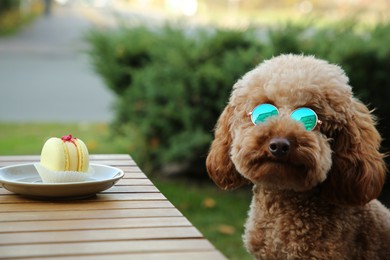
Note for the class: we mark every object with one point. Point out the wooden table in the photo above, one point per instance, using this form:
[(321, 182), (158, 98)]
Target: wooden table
[(131, 220)]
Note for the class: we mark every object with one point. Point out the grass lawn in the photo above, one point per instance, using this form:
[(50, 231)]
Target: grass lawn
[(219, 215), (28, 138)]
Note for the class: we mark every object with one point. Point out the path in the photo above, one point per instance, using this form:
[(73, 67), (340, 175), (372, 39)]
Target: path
[(45, 74)]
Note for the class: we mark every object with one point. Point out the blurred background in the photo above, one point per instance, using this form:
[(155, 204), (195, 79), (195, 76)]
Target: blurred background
[(149, 78)]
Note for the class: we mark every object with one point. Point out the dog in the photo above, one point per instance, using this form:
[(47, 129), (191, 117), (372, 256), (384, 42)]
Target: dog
[(294, 130)]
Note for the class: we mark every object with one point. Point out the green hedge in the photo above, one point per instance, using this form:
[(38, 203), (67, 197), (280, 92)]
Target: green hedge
[(6, 5), (173, 82)]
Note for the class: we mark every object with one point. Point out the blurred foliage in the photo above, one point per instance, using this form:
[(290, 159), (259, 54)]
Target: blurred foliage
[(6, 5), (173, 82), (16, 13)]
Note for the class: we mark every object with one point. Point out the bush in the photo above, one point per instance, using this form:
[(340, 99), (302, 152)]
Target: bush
[(6, 5), (171, 86), (173, 82)]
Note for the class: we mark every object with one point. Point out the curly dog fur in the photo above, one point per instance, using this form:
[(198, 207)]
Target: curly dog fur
[(318, 201)]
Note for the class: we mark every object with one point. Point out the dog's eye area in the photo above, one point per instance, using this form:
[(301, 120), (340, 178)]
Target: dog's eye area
[(262, 112), (304, 115)]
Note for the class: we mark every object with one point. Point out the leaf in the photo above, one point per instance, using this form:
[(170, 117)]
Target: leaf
[(226, 229), (209, 203)]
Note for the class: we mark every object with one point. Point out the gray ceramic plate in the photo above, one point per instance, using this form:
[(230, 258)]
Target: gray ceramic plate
[(24, 179)]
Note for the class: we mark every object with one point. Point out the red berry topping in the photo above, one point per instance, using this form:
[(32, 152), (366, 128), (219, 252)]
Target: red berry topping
[(68, 138)]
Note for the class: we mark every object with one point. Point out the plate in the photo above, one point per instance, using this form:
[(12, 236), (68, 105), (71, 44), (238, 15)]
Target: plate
[(24, 179)]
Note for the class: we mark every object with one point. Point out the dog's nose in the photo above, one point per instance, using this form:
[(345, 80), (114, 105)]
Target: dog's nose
[(279, 147)]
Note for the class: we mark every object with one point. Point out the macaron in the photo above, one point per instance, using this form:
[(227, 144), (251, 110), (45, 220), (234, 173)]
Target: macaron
[(65, 154)]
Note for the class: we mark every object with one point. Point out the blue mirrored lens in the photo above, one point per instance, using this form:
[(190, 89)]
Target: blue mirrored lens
[(306, 116), (263, 112)]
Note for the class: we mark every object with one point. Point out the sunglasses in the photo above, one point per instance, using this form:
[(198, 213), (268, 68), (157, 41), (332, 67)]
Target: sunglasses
[(304, 115)]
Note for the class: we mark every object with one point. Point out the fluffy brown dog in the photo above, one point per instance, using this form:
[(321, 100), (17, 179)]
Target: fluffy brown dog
[(314, 189)]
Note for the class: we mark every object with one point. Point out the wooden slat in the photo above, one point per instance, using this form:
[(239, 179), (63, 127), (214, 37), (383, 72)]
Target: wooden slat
[(107, 247), (66, 236), (131, 189), (130, 169), (116, 163), (132, 174), (86, 224), (137, 182), (199, 255), (83, 205), (99, 197), (94, 157), (90, 214)]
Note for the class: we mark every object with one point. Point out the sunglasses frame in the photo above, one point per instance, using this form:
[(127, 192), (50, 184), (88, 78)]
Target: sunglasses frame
[(318, 121)]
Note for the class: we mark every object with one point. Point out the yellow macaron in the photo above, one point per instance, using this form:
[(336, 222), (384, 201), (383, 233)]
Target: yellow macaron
[(65, 154)]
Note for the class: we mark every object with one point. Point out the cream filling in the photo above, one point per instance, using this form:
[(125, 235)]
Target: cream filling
[(80, 157), (66, 153)]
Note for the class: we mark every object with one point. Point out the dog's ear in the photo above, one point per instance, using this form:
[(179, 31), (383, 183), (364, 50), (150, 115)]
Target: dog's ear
[(358, 170), (219, 165)]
